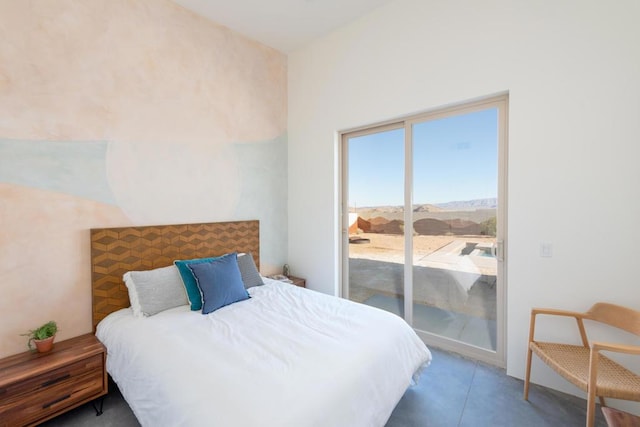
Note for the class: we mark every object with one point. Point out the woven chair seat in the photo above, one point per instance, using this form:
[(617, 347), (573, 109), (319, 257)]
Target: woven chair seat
[(572, 363), (608, 378)]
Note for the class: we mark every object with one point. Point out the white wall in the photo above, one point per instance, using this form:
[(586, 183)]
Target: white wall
[(572, 69)]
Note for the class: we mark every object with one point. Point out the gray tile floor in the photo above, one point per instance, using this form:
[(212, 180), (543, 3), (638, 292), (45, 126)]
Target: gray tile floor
[(453, 391)]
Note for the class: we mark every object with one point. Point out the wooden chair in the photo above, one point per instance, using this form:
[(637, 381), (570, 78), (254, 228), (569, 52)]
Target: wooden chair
[(584, 365)]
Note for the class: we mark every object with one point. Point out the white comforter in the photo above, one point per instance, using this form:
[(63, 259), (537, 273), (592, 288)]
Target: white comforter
[(285, 357)]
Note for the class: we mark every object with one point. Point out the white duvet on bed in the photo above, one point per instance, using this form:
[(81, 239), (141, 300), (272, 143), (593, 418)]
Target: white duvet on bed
[(285, 357)]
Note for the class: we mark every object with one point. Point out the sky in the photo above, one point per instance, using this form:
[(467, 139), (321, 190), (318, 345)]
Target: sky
[(454, 159)]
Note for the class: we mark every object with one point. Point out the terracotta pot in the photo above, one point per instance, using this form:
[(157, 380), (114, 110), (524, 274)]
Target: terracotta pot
[(44, 345)]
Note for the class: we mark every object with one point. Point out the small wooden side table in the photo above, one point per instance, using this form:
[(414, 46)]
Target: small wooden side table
[(298, 281)]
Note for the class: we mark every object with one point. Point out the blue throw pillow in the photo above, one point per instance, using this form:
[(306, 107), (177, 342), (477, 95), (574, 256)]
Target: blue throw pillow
[(220, 282), (190, 285)]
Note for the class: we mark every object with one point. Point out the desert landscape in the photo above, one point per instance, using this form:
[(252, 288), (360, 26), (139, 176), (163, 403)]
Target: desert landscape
[(454, 267), (446, 280)]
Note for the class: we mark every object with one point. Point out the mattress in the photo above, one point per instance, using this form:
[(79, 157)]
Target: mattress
[(288, 356)]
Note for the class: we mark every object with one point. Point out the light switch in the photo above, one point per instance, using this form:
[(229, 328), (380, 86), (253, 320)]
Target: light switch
[(546, 250)]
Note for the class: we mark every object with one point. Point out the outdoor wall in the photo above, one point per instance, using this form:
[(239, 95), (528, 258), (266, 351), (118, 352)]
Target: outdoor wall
[(571, 70), (121, 112)]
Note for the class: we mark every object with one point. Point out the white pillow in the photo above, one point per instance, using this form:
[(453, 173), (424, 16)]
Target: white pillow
[(153, 291)]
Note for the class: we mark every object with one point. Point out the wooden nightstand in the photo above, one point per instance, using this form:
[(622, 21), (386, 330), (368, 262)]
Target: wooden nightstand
[(298, 281), (35, 387)]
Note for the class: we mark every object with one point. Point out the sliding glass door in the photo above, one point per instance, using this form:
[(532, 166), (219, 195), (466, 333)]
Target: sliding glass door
[(444, 173), (455, 185)]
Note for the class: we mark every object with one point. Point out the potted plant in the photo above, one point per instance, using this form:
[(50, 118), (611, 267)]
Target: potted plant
[(43, 336)]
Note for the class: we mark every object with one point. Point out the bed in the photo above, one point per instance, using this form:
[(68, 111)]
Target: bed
[(286, 356)]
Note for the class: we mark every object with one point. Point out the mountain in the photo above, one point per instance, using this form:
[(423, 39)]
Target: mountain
[(464, 205), (427, 208), (385, 209), (469, 205)]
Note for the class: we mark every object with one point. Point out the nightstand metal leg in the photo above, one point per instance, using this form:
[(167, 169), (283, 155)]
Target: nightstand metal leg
[(98, 410)]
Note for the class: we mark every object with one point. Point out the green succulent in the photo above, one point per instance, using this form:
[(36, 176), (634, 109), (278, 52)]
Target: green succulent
[(45, 331)]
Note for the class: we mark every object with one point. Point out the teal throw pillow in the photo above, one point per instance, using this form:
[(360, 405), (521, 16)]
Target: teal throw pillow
[(190, 284)]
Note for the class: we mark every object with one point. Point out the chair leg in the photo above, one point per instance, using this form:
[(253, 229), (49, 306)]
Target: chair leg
[(591, 407), (527, 374)]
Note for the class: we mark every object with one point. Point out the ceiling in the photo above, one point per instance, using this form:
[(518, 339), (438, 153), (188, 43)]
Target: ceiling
[(282, 24)]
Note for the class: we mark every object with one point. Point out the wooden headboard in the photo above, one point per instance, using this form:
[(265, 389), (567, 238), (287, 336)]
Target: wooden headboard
[(114, 251)]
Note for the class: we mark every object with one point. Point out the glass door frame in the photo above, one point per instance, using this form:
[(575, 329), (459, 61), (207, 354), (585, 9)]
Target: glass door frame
[(501, 103), (344, 195)]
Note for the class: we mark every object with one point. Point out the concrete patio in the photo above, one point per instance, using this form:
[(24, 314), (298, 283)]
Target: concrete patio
[(454, 289)]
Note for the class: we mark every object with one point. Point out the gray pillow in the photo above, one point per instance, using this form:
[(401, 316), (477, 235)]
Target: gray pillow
[(153, 291), (248, 271)]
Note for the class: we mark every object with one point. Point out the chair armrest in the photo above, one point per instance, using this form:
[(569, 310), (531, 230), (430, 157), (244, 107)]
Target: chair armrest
[(556, 312), (617, 348)]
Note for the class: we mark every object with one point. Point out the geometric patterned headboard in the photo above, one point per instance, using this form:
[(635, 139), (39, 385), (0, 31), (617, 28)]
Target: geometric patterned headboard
[(114, 251)]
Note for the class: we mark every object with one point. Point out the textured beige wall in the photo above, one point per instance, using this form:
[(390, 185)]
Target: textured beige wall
[(118, 112)]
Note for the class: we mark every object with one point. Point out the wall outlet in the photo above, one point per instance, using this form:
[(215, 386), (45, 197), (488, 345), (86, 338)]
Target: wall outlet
[(546, 250)]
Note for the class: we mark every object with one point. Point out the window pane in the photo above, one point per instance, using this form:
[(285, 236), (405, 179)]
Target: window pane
[(376, 225), (455, 170)]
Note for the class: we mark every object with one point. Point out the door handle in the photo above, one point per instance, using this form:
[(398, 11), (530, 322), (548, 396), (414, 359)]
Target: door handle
[(499, 250)]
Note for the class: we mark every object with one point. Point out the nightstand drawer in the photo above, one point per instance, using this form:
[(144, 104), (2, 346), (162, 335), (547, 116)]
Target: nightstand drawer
[(298, 281), (36, 398)]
